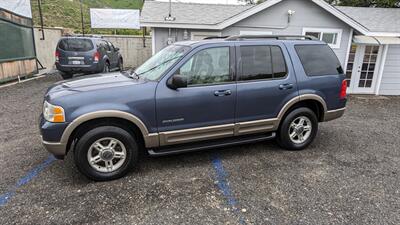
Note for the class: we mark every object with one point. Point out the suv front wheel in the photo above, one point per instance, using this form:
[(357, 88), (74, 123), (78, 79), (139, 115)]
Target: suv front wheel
[(106, 153), (298, 129)]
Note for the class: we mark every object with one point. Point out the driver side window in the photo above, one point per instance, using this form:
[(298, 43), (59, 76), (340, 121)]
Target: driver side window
[(209, 66)]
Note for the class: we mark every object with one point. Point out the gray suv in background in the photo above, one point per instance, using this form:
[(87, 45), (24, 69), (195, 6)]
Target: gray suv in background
[(86, 55)]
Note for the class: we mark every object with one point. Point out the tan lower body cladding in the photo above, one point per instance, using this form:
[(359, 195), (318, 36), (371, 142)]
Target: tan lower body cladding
[(228, 130), (215, 132)]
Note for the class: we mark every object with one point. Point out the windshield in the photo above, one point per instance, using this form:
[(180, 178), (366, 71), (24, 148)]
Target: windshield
[(153, 68)]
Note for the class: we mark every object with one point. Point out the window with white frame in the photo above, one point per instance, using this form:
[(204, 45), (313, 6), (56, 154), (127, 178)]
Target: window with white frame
[(332, 37)]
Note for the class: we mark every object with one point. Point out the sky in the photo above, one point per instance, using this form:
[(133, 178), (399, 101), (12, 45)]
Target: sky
[(207, 1)]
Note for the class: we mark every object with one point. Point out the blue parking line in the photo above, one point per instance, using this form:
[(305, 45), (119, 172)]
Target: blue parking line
[(224, 187), (4, 198)]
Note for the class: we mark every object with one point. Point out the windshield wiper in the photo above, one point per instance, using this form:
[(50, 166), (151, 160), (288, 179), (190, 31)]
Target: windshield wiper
[(155, 67), (134, 75), (131, 73)]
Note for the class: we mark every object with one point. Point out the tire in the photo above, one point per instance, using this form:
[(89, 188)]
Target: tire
[(66, 75), (120, 65), (87, 147), (106, 67), (292, 124)]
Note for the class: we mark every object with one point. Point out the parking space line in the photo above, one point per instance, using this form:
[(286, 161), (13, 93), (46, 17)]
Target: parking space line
[(224, 187), (4, 198)]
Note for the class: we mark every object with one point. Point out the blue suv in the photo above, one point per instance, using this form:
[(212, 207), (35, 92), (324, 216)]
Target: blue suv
[(193, 96)]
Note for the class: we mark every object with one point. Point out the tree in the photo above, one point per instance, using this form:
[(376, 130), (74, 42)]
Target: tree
[(357, 3)]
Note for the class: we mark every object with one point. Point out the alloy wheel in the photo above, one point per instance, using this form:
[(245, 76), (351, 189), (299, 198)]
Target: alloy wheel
[(300, 129), (106, 155)]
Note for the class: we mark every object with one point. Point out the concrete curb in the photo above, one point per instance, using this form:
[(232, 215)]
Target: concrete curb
[(42, 74), (22, 81)]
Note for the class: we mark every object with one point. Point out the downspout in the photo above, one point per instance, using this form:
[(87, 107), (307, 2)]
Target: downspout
[(381, 68)]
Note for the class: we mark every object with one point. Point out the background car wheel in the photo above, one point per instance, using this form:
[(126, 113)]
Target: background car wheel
[(120, 65), (106, 153), (66, 75), (106, 67), (298, 129)]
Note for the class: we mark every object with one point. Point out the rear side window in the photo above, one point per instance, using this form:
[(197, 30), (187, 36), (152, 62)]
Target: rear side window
[(318, 60), (76, 44), (262, 62)]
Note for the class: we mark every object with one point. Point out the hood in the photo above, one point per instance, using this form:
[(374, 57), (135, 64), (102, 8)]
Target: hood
[(91, 83)]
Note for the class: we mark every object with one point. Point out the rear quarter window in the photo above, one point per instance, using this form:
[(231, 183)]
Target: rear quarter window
[(76, 45), (318, 60)]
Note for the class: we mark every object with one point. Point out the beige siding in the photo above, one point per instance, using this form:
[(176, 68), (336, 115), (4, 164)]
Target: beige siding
[(11, 70), (45, 48), (132, 49)]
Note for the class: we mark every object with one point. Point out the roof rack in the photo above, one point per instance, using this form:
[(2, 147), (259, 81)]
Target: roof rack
[(215, 37), (277, 37), (86, 35)]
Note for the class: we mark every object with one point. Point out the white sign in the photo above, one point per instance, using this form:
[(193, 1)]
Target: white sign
[(115, 18), (20, 7)]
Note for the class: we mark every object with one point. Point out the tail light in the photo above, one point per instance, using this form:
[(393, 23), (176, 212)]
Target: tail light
[(343, 90), (57, 54), (96, 56)]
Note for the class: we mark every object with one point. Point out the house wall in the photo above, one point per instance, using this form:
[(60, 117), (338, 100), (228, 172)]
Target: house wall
[(307, 14), (161, 37), (390, 84), (274, 19)]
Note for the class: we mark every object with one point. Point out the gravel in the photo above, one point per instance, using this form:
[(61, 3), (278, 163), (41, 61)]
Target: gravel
[(349, 175)]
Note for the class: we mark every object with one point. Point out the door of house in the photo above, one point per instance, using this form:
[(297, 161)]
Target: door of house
[(362, 68)]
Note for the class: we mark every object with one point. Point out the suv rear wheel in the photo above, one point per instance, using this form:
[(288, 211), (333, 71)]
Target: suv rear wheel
[(298, 129), (106, 153), (106, 67)]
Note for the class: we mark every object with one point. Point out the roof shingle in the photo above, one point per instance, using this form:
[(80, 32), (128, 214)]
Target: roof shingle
[(190, 13), (374, 19)]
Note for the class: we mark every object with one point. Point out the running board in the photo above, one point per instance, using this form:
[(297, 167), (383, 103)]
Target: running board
[(178, 149)]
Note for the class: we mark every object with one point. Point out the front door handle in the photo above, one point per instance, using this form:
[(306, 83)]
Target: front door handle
[(222, 93), (285, 86)]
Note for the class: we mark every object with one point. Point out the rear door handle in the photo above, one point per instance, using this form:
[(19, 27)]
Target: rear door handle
[(222, 93), (285, 86)]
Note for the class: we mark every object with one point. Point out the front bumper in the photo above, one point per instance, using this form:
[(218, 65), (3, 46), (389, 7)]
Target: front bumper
[(59, 150), (51, 134)]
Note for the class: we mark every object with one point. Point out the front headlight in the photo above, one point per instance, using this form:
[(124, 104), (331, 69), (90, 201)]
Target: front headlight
[(52, 113)]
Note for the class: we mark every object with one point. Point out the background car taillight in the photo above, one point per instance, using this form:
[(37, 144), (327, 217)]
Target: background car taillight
[(57, 54), (343, 90), (96, 56)]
